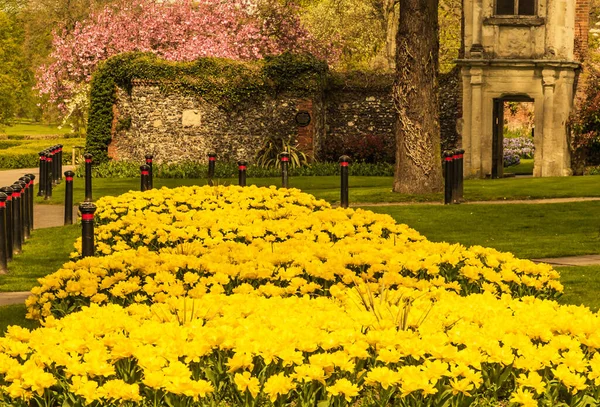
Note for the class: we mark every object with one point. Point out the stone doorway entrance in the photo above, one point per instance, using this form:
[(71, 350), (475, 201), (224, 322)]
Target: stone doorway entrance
[(512, 133)]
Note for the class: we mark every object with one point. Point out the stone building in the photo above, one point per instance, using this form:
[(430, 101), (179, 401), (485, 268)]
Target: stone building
[(520, 50)]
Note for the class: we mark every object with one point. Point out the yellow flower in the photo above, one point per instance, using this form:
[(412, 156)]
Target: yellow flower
[(345, 388), (533, 380), (524, 398), (278, 385), (245, 381)]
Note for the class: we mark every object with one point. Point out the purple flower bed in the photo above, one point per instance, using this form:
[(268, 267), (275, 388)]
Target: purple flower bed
[(517, 148)]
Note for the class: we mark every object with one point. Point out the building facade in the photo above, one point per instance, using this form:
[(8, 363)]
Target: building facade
[(520, 50)]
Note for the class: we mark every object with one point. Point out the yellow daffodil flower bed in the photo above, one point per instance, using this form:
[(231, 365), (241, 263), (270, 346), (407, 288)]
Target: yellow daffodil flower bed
[(168, 217), (292, 267), (305, 248), (233, 296), (397, 347)]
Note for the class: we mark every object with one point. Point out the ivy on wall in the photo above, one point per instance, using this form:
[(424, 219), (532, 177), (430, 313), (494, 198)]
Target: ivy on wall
[(224, 83)]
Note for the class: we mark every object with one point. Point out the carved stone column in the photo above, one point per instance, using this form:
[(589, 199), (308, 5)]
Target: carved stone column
[(547, 145), (476, 119)]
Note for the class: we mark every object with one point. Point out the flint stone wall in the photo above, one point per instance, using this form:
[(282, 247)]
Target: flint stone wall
[(175, 127)]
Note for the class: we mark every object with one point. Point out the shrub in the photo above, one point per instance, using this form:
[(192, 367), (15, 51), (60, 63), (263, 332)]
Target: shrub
[(367, 148), (192, 169)]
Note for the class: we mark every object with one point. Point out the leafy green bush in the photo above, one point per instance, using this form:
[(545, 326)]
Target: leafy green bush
[(24, 153), (4, 144), (191, 169)]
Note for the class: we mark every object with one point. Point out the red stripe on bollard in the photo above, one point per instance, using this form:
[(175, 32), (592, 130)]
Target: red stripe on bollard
[(87, 216), (242, 167), (285, 159), (343, 164), (16, 194), (145, 172), (69, 178), (2, 204), (212, 159), (88, 160)]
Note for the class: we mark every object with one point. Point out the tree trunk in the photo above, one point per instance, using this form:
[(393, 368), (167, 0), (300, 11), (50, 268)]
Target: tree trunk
[(418, 156)]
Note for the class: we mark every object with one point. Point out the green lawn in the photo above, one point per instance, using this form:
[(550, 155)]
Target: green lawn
[(15, 315), (43, 253), (527, 230), (582, 284), (524, 168), (30, 130), (369, 189)]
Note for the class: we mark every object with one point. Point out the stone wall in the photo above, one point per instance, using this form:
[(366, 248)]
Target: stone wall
[(176, 127)]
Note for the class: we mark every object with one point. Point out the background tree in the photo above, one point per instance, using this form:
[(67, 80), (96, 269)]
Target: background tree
[(418, 162), (179, 30), (12, 79)]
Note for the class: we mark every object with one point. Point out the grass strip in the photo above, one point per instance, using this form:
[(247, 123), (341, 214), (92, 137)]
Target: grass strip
[(368, 189), (581, 285), (43, 253), (526, 230)]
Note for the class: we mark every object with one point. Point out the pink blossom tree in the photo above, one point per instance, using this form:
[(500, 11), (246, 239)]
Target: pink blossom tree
[(180, 30)]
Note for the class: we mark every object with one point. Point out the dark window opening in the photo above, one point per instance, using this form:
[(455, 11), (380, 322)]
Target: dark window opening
[(515, 7)]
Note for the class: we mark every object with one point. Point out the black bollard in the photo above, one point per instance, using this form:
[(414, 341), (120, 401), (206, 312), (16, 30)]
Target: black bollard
[(3, 242), (54, 161), (344, 161), (60, 163), (41, 191), (461, 176), (242, 166), (144, 175), (49, 176), (17, 227), (56, 165), (87, 210), (8, 222), (448, 174), (149, 158), (25, 206), (88, 177), (22, 202), (455, 199), (31, 189), (212, 158), (69, 197), (285, 160)]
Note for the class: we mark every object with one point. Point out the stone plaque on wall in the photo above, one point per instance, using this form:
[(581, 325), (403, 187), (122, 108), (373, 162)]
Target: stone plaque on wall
[(191, 118)]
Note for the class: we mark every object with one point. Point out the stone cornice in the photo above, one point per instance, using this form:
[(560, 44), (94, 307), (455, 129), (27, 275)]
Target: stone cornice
[(520, 63)]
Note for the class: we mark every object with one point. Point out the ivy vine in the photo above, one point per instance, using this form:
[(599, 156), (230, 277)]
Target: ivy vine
[(224, 83)]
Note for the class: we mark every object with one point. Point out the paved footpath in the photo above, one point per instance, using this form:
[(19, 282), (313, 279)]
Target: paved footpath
[(46, 216)]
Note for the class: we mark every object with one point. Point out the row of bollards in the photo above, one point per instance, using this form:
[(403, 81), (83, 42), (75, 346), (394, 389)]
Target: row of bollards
[(50, 171), (87, 208), (453, 176), (284, 159), (16, 218)]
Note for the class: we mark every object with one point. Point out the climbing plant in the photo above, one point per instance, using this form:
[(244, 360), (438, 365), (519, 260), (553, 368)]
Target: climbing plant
[(224, 83)]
